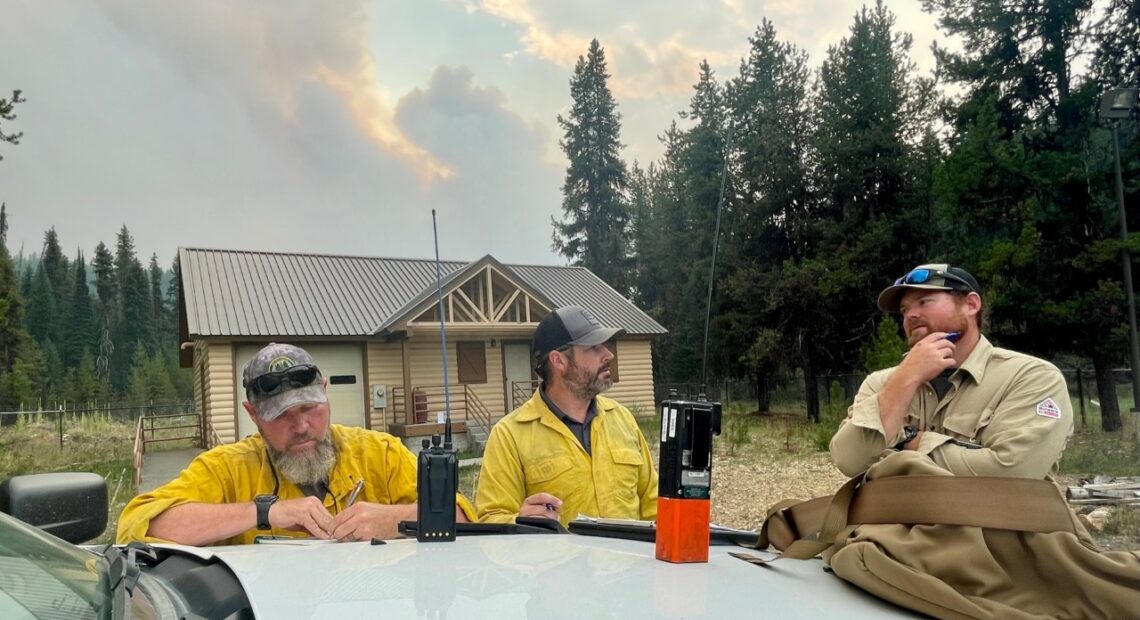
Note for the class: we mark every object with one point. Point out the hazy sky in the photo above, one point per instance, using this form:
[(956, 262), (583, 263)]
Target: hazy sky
[(337, 126)]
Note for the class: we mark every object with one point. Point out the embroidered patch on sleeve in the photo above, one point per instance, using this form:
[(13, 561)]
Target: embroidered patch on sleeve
[(1048, 409)]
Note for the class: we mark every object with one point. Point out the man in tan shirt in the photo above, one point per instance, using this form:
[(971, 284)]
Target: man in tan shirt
[(973, 408)]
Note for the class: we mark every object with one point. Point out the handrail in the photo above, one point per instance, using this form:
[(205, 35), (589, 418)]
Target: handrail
[(521, 391), (140, 447), (476, 411)]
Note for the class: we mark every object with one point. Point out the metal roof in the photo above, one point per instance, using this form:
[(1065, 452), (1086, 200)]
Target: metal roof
[(247, 293)]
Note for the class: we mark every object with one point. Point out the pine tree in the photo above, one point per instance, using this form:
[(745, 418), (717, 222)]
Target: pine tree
[(768, 103), (16, 347), (594, 231), (7, 107), (81, 326), (134, 300)]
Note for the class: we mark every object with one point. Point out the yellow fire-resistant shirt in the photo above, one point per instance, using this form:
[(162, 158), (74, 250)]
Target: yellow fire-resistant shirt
[(1006, 414), (531, 451), (238, 472)]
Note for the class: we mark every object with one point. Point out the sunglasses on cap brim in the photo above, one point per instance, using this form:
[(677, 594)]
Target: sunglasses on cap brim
[(272, 383), (923, 276)]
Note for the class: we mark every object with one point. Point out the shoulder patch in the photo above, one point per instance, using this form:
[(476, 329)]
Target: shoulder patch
[(1048, 409)]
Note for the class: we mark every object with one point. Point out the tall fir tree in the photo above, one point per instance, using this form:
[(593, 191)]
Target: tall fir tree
[(81, 324), (768, 102), (594, 231)]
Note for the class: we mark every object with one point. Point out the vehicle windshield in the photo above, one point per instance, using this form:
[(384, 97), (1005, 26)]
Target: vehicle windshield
[(44, 577)]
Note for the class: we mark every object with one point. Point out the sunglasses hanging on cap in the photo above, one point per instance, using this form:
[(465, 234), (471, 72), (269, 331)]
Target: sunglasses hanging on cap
[(271, 383), (922, 276)]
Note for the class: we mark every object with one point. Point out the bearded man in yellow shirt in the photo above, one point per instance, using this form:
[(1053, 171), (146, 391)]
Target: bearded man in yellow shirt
[(298, 476), (568, 451)]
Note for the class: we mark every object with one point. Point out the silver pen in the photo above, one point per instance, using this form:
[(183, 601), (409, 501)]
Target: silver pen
[(355, 492)]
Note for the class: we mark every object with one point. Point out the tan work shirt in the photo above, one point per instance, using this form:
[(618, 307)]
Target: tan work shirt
[(1006, 414)]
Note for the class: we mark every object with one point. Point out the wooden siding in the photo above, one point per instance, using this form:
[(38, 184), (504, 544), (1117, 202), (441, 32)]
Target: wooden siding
[(427, 370), (215, 363), (635, 369), (385, 366)]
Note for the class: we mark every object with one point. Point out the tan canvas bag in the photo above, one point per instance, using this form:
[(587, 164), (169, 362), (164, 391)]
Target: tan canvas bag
[(951, 546)]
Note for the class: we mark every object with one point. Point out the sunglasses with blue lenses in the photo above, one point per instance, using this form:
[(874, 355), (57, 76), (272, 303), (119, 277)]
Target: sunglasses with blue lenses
[(272, 383), (922, 276)]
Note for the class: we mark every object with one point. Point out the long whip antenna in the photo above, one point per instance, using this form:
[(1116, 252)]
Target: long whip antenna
[(442, 338), (712, 265)]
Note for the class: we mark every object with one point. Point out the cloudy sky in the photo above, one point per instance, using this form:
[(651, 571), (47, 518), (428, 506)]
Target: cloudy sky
[(337, 126)]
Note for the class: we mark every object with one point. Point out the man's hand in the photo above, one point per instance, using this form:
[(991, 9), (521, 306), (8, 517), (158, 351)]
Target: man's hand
[(927, 358), (365, 521), (306, 514), (541, 505)]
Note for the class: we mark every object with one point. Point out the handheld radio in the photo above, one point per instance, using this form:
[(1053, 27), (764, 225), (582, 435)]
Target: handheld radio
[(685, 478), (436, 485), (437, 471)]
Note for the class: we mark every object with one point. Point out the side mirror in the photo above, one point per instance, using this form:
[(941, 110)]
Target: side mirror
[(70, 505)]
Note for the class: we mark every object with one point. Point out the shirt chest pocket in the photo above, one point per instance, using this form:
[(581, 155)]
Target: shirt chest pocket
[(627, 463), (546, 468)]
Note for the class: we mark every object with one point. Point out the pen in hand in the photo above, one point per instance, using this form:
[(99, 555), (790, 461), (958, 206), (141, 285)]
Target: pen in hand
[(355, 492)]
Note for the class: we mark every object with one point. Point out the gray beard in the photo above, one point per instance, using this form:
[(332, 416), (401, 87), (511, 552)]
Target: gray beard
[(309, 468)]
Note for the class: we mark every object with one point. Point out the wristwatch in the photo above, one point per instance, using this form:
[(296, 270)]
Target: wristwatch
[(909, 433), (263, 502)]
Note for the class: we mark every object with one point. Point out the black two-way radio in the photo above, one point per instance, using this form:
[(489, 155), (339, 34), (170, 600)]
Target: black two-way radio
[(437, 473), (437, 484)]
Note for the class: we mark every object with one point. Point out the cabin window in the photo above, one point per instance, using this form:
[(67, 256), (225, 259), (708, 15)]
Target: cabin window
[(472, 358)]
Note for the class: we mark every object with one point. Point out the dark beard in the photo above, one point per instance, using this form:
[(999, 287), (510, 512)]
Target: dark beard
[(308, 468), (583, 386)]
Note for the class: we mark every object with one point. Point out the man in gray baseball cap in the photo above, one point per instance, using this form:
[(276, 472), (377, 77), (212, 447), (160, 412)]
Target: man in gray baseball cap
[(299, 475), (569, 450)]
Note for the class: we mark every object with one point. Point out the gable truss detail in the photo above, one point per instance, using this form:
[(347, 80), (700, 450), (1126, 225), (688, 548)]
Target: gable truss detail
[(487, 297)]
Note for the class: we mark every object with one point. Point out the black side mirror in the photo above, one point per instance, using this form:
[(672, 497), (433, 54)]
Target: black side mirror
[(70, 505)]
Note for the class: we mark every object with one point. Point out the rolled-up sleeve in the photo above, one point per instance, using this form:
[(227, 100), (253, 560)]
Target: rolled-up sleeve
[(860, 439), (200, 482)]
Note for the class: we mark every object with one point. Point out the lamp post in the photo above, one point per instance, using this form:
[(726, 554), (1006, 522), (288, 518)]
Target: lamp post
[(1118, 104)]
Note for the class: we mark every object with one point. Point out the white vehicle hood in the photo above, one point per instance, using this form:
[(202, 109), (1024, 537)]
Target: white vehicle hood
[(531, 576)]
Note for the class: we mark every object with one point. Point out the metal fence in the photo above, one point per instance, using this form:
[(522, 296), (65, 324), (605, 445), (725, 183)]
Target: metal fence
[(64, 417), (786, 392)]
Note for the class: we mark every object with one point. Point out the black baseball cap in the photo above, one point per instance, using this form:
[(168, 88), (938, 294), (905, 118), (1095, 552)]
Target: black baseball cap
[(570, 325), (935, 277)]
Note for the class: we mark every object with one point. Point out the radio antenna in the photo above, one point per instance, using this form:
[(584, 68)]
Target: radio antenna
[(443, 338), (712, 265)]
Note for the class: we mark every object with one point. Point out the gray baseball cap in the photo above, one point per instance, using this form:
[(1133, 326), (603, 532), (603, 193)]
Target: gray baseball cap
[(281, 376), (570, 325)]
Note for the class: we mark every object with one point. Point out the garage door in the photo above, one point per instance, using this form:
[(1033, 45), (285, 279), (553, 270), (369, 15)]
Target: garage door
[(341, 364)]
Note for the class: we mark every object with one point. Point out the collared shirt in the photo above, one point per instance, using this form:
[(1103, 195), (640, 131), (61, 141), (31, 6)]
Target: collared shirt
[(531, 451), (581, 429), (237, 472), (1004, 414)]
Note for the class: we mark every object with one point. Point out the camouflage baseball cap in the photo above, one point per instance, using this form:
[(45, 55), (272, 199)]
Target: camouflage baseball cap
[(281, 376)]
